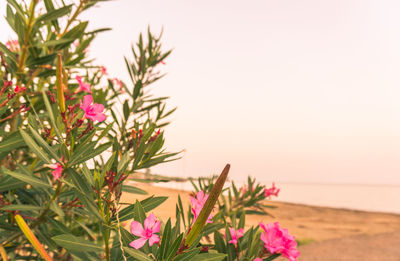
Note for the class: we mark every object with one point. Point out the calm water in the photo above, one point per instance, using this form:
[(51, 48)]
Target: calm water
[(380, 198)]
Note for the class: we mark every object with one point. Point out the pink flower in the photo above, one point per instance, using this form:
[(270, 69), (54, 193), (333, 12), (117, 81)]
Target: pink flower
[(58, 169), (117, 83), (19, 89), (151, 226), (93, 111), (244, 189), (198, 204), (278, 240), (13, 46), (257, 259), (82, 85), (103, 70), (235, 235), (75, 43), (273, 191)]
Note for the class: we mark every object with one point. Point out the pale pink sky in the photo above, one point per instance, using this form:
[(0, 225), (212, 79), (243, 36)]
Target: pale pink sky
[(304, 91)]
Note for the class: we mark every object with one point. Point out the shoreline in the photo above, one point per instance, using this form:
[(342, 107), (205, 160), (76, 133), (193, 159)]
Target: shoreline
[(380, 200), (306, 222)]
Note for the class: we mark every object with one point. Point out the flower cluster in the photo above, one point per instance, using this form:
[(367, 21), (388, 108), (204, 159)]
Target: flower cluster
[(278, 240), (235, 235), (83, 86), (273, 191)]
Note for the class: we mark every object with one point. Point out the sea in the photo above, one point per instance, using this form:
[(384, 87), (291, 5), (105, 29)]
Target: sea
[(375, 198)]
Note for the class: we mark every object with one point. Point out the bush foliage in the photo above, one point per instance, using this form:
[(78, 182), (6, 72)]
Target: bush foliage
[(71, 136)]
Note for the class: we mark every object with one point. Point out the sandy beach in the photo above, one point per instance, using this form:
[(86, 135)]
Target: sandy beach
[(325, 233)]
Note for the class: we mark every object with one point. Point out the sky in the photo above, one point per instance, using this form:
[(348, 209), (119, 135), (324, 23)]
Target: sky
[(286, 91)]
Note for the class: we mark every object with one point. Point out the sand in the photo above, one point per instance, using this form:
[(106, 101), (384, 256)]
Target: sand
[(326, 233)]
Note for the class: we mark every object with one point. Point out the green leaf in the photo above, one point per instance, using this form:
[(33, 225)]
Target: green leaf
[(74, 33), (21, 207), (209, 257), (32, 180), (34, 147), (137, 88), (219, 242), (88, 174), (53, 43), (123, 163), (138, 212), (133, 190), (166, 237), (147, 204), (7, 52), (83, 158), (174, 247), (78, 181), (51, 116), (53, 14), (47, 59), (138, 255), (272, 257), (126, 110), (11, 142), (187, 255), (44, 145), (56, 209), (208, 206), (78, 244), (9, 183), (242, 220)]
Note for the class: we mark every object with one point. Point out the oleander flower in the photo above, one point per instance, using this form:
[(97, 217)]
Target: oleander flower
[(278, 240), (151, 226), (273, 191), (13, 45), (19, 89), (58, 169), (117, 83), (103, 70), (83, 86), (93, 111), (198, 204), (257, 259), (244, 189), (235, 235)]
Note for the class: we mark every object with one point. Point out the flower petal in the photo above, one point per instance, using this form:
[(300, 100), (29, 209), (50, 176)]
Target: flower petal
[(98, 108), (100, 117), (233, 232), (154, 239), (149, 221), (87, 100), (137, 229), (156, 227), (138, 243)]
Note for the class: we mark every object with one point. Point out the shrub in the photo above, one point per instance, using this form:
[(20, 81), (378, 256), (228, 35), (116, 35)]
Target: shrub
[(71, 136)]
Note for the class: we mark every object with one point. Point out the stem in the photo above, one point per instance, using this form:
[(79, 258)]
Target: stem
[(106, 230), (47, 208), (119, 230), (106, 243), (22, 60), (24, 50), (74, 16)]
